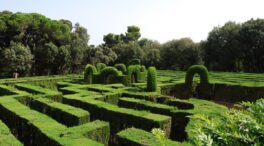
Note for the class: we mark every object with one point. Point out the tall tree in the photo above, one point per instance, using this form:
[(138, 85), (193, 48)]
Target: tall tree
[(15, 58), (252, 40), (222, 49), (180, 54), (132, 34)]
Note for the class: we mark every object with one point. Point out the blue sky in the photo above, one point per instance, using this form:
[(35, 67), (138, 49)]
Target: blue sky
[(160, 20)]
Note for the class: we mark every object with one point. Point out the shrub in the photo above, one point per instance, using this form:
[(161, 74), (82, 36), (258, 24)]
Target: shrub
[(237, 127), (151, 79), (142, 68), (108, 71), (133, 72), (121, 67), (199, 69), (100, 67), (135, 62), (89, 71)]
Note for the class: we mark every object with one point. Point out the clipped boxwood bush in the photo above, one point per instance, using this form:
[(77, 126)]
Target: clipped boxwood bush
[(121, 67), (133, 73), (100, 67), (152, 79), (107, 72), (89, 71), (199, 69)]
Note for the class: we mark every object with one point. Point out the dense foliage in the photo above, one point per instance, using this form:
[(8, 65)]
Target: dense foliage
[(237, 128), (89, 72), (32, 44), (197, 69), (152, 79), (121, 67)]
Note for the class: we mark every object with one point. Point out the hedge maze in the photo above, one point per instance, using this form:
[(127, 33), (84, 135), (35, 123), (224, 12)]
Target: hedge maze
[(115, 106)]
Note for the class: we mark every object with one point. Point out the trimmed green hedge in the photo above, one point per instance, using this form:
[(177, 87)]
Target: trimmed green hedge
[(121, 67), (138, 137), (152, 79), (89, 72), (34, 128), (65, 114), (179, 117), (55, 95), (109, 74), (142, 68), (199, 69), (6, 137), (100, 67), (126, 117), (133, 73)]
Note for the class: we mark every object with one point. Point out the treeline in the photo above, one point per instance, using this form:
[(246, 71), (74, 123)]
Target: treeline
[(32, 44)]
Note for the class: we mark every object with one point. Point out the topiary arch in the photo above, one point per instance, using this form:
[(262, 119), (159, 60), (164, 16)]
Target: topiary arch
[(100, 66), (107, 72), (121, 67), (133, 72), (89, 71), (199, 69)]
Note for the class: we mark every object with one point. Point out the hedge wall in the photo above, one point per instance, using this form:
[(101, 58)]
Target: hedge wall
[(199, 69), (89, 72), (152, 79), (121, 67)]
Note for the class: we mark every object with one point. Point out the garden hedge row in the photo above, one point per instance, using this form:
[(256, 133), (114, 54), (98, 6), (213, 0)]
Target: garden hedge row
[(6, 137), (179, 117), (65, 114), (34, 128), (138, 137), (126, 117), (55, 95)]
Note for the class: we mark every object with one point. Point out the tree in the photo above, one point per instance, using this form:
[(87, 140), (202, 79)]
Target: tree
[(251, 37), (132, 34), (112, 40), (127, 52), (222, 49), (45, 58), (151, 51), (78, 47), (180, 54), (15, 58), (102, 54)]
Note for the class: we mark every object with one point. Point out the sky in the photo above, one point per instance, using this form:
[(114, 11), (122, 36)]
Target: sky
[(160, 20)]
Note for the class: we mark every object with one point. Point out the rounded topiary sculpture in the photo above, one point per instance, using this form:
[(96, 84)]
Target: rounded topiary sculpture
[(152, 79), (108, 71), (89, 71), (142, 68), (121, 67), (100, 66), (135, 62), (199, 69), (133, 72)]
